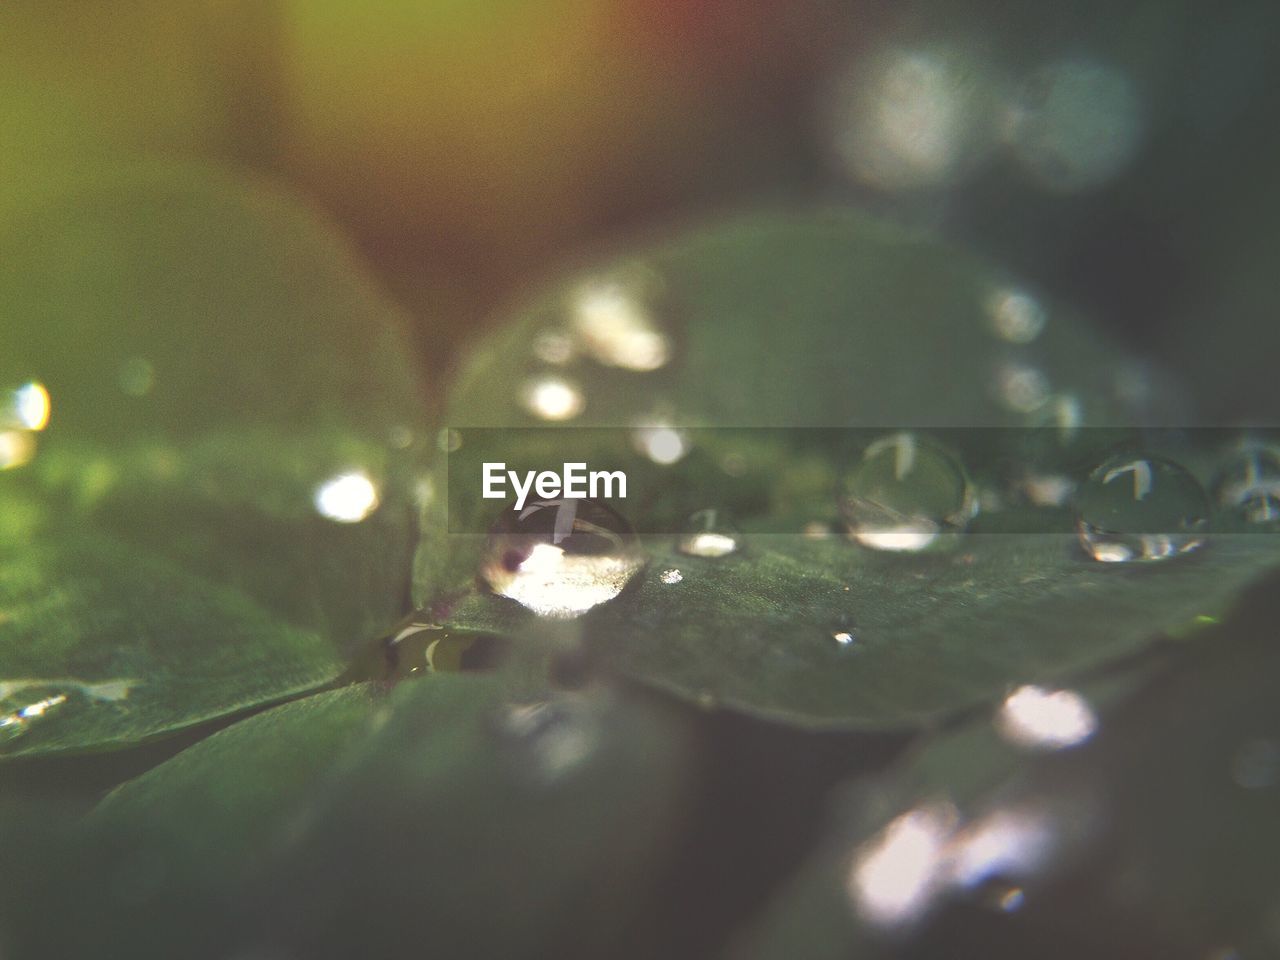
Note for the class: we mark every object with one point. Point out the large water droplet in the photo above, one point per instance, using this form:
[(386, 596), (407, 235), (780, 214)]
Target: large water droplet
[(1248, 485), (709, 533), (1140, 508), (905, 493), (560, 558)]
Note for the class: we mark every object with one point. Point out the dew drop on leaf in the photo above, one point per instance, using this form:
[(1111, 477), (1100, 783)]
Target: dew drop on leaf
[(904, 493), (559, 558), (708, 533), (1140, 509)]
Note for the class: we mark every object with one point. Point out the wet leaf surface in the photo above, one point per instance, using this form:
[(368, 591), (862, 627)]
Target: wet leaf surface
[(816, 630), (226, 398)]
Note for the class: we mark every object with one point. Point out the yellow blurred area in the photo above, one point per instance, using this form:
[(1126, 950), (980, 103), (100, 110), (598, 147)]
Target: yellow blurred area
[(496, 114)]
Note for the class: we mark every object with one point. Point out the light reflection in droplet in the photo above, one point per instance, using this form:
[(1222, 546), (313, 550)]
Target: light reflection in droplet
[(551, 398), (671, 576), (1042, 719), (560, 585), (347, 498), (1022, 388), (1015, 315), (29, 407), (904, 539), (616, 328), (844, 638), (662, 444)]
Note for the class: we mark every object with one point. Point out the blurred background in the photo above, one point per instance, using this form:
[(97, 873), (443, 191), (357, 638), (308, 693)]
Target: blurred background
[(1119, 155)]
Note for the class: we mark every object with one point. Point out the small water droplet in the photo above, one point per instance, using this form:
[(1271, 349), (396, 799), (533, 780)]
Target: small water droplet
[(845, 638), (552, 398), (671, 576), (614, 324), (662, 444), (1014, 315), (1140, 508), (347, 497), (560, 558), (136, 377), (708, 533), (904, 493), (1021, 387), (1248, 485), (1076, 125)]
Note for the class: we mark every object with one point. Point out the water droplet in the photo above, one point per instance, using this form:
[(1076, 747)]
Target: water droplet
[(708, 533), (671, 576), (662, 444), (904, 493), (911, 119), (1076, 125), (551, 398), (615, 326), (26, 408), (845, 638), (1041, 719), (1248, 485), (347, 497), (1014, 315), (26, 702), (136, 377), (553, 737), (1140, 508), (560, 558), (1021, 387)]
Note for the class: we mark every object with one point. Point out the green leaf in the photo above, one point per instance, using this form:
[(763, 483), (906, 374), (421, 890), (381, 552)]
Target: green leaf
[(360, 821), (831, 321), (1159, 834), (212, 358)]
